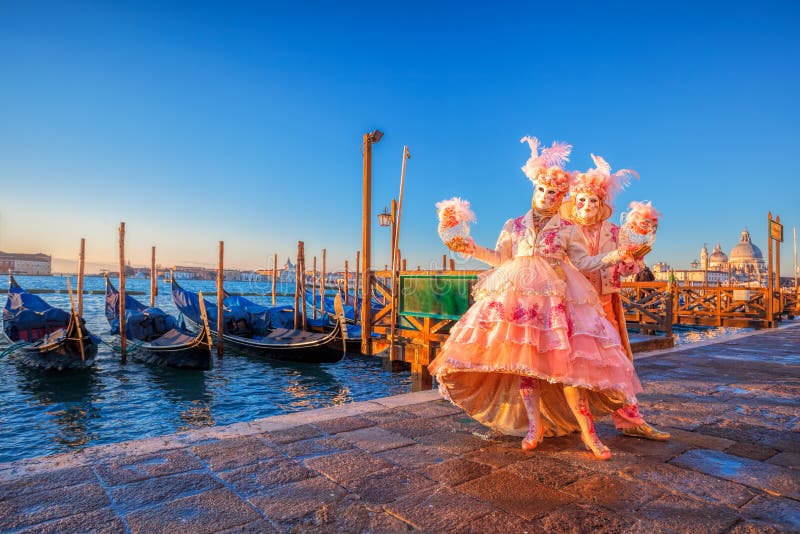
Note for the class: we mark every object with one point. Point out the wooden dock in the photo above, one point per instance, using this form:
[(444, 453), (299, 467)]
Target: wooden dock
[(414, 463)]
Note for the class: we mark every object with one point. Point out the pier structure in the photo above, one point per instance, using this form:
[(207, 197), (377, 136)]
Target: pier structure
[(415, 463)]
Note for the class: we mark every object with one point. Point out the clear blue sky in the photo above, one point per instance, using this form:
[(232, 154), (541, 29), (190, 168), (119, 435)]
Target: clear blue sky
[(197, 121)]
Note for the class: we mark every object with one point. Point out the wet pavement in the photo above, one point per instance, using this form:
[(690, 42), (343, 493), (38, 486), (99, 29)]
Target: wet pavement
[(416, 463)]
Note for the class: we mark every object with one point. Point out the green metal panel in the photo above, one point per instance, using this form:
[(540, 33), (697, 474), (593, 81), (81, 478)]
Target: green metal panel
[(438, 296)]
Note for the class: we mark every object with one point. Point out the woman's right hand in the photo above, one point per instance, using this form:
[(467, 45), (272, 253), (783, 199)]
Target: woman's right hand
[(465, 246)]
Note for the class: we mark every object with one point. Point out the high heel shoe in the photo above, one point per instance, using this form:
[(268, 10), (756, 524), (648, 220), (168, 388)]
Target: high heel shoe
[(593, 443), (529, 443)]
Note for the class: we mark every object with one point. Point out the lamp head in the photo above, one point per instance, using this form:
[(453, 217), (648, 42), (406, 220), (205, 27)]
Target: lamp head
[(375, 136)]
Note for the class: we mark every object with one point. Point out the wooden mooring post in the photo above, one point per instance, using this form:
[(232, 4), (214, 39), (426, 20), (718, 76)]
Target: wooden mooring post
[(274, 276), (356, 282), (323, 277), (366, 239), (81, 263), (302, 270), (153, 278), (220, 298), (314, 287), (123, 340), (346, 285)]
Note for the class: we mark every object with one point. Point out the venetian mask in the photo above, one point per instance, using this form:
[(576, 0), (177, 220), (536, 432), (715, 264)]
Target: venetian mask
[(545, 197), (587, 206)]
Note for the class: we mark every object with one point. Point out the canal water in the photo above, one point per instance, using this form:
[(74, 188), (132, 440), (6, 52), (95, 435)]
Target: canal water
[(52, 412)]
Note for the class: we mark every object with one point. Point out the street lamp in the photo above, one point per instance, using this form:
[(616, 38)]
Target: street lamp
[(384, 217)]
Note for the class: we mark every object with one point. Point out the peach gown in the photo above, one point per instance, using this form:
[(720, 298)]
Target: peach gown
[(535, 315)]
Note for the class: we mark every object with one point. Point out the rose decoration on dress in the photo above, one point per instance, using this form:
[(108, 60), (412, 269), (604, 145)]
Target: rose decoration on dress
[(454, 218), (639, 226)]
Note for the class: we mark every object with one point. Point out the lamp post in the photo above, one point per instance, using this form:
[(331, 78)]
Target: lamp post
[(366, 237)]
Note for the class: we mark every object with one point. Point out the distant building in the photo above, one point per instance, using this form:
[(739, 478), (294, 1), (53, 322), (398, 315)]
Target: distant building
[(33, 264)]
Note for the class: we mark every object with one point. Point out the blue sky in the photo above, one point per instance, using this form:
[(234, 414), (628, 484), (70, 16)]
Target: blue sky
[(198, 121)]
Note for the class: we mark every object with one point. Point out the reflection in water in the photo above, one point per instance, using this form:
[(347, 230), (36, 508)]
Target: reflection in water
[(182, 385), (68, 396), (197, 415)]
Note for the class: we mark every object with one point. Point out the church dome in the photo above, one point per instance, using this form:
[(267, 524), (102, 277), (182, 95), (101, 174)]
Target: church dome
[(717, 256), (745, 249)]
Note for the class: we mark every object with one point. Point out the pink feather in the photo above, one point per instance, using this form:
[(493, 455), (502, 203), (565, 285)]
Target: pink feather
[(461, 209)]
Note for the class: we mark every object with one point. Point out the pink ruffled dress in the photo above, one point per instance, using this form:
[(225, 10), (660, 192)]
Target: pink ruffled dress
[(535, 315)]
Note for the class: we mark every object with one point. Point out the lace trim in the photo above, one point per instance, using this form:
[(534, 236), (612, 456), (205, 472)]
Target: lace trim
[(607, 342), (601, 387)]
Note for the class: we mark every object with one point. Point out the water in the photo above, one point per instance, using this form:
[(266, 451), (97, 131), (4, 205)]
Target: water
[(52, 412)]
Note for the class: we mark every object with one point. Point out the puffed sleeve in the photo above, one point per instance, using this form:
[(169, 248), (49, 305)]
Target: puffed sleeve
[(580, 257), (502, 250)]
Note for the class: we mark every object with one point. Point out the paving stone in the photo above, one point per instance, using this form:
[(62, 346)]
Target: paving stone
[(771, 478), (413, 428), (388, 416), (234, 452), (297, 433), (452, 443), (264, 476), (778, 511), (577, 519), (650, 450), (48, 480), (295, 500), (347, 466), (497, 521), (211, 511), (498, 455), (750, 450), (343, 424), (131, 469), (740, 432), (103, 521), (314, 447), (440, 510), (437, 408), (548, 472), (389, 485), (690, 483), (161, 489), (786, 459), (375, 439), (349, 517), (456, 471), (261, 526), (508, 491), (754, 527), (461, 422), (612, 492), (672, 513), (696, 440), (31, 508), (414, 456)]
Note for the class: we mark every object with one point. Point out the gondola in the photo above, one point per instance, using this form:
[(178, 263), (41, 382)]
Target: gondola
[(248, 327), (46, 337), (161, 340)]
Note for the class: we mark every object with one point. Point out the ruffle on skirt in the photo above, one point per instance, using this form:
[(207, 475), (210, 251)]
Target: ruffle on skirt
[(527, 321)]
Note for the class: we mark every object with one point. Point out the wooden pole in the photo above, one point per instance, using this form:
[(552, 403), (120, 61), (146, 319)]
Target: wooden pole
[(296, 307), (81, 263), (153, 278), (397, 209), (274, 275), (220, 298), (314, 286), (452, 264), (322, 281), (444, 262), (405, 265), (778, 270), (123, 340), (346, 285), (303, 282), (366, 245), (356, 282), (769, 270)]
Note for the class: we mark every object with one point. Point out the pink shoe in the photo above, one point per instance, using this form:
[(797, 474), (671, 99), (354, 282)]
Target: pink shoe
[(593, 443), (530, 443)]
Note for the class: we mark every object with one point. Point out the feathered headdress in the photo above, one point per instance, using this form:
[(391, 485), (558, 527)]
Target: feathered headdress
[(599, 180), (640, 212), (547, 168)]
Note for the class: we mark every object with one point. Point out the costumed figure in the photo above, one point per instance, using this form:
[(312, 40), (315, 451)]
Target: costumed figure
[(535, 346), (589, 206)]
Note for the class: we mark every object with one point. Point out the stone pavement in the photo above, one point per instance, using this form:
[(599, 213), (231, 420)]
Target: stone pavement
[(416, 463)]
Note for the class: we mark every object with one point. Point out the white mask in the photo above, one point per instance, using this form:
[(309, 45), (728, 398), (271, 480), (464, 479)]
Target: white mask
[(545, 197), (587, 206)]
